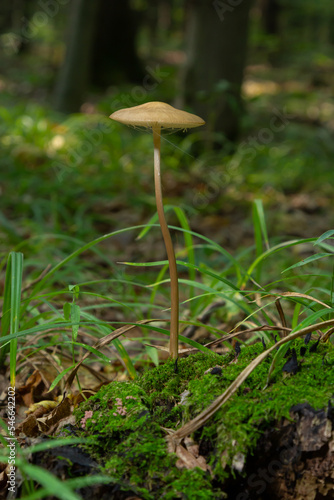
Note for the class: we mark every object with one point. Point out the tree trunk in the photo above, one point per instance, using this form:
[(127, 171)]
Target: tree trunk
[(293, 459), (74, 74), (114, 57), (216, 54), (270, 10), (14, 17)]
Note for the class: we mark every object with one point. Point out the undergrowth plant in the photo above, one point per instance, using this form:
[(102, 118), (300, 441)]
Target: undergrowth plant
[(43, 319), (240, 283), (49, 484)]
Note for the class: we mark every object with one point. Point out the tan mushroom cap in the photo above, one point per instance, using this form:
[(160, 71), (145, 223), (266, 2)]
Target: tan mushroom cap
[(157, 113)]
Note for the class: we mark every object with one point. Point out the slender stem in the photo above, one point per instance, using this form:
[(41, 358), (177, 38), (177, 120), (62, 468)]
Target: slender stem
[(174, 320)]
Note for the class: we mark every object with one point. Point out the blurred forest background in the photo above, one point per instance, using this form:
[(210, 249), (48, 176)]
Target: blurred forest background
[(259, 72)]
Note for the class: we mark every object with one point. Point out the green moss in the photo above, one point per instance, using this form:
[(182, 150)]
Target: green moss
[(125, 433)]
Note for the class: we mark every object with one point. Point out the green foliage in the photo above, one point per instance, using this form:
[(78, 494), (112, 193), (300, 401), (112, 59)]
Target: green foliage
[(124, 431), (65, 181), (50, 484), (12, 309)]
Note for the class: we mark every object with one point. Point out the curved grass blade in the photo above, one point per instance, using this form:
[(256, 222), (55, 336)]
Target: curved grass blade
[(200, 269), (73, 484), (324, 236), (260, 222), (15, 264), (119, 346), (271, 251), (51, 483), (244, 307), (312, 258), (82, 249), (106, 340)]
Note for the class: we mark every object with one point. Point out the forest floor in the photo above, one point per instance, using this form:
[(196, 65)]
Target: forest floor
[(69, 195), (270, 440)]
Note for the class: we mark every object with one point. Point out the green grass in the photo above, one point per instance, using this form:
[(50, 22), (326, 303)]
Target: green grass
[(84, 203)]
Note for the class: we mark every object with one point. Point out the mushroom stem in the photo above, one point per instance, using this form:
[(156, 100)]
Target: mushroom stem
[(174, 320)]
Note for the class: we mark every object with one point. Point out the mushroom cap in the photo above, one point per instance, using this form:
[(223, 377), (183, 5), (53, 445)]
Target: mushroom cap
[(157, 113)]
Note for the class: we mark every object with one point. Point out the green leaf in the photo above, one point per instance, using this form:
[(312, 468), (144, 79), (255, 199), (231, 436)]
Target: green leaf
[(312, 258), (152, 353), (324, 236), (75, 318), (200, 269), (53, 485), (271, 251), (260, 221), (74, 483), (75, 289), (5, 320), (126, 358), (67, 311), (59, 377), (313, 318), (13, 301)]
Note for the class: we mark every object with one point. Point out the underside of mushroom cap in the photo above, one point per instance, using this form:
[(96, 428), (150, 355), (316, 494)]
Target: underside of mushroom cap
[(157, 114)]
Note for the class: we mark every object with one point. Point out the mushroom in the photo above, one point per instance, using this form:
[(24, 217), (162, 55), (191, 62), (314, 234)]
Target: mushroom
[(158, 115)]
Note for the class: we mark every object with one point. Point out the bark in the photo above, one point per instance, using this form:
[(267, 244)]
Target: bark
[(114, 55), (293, 459), (73, 77), (216, 53), (14, 17), (270, 16)]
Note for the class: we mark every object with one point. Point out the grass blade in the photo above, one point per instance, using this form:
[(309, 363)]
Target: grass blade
[(324, 236), (271, 251), (312, 258), (16, 271), (5, 320), (51, 483)]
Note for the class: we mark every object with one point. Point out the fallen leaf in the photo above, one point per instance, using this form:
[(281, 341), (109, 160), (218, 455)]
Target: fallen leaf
[(42, 420), (47, 405), (32, 390), (50, 423), (189, 456), (186, 459), (191, 446)]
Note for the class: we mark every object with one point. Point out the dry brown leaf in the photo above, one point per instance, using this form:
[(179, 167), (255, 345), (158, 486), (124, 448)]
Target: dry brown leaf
[(186, 459), (3, 476), (249, 330), (189, 456), (191, 446), (203, 465), (49, 423), (326, 336), (304, 296), (33, 389), (29, 427), (45, 421), (281, 313), (46, 405)]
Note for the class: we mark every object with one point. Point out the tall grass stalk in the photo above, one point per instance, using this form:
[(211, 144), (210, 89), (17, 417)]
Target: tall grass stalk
[(11, 309)]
